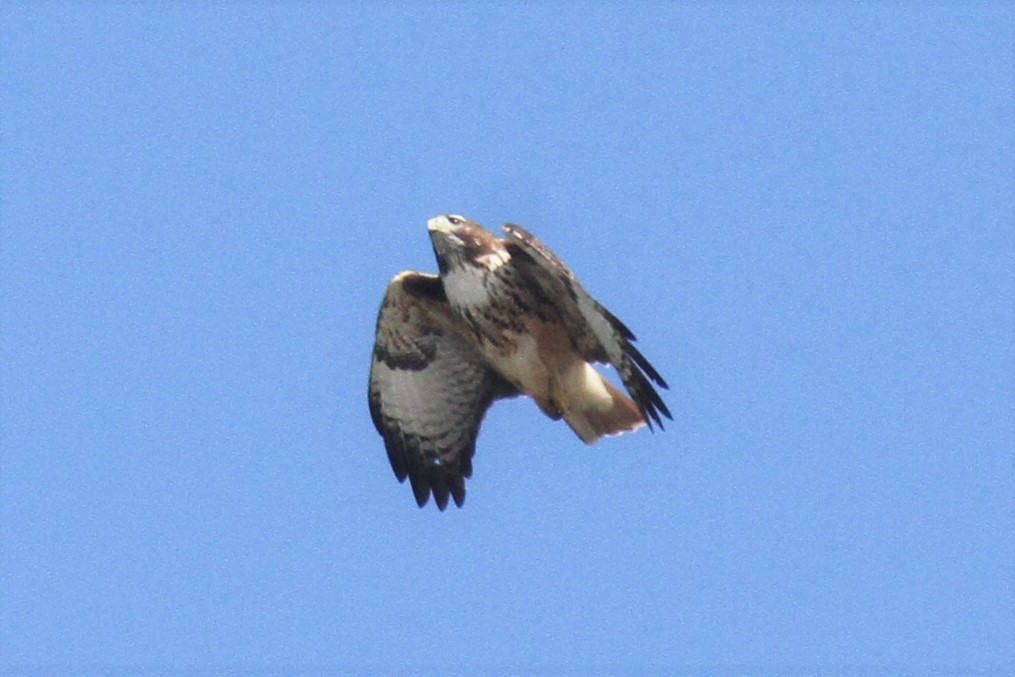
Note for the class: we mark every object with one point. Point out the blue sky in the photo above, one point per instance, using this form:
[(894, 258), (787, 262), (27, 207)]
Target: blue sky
[(804, 212)]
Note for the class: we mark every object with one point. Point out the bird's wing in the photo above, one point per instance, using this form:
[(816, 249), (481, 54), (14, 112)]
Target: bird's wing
[(429, 389), (597, 333)]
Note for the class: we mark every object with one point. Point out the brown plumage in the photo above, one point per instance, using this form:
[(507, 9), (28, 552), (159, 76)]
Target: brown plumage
[(504, 317)]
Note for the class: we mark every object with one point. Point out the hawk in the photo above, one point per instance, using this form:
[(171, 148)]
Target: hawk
[(504, 317)]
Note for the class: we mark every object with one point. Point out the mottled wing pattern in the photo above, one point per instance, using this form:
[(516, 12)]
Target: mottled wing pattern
[(598, 334), (429, 389)]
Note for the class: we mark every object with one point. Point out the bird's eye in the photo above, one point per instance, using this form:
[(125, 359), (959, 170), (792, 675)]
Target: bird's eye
[(455, 221)]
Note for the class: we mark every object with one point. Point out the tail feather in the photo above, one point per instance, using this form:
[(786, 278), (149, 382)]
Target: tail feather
[(592, 417)]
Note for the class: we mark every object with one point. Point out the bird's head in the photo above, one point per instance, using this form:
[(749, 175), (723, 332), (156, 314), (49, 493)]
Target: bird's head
[(457, 242)]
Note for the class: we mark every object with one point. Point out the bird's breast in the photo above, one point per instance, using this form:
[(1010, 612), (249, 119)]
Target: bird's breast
[(465, 288)]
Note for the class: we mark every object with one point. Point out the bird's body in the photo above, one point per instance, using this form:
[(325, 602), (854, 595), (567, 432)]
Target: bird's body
[(513, 317)]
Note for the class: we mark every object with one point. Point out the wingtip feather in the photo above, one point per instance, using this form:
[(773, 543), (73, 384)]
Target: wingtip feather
[(420, 489)]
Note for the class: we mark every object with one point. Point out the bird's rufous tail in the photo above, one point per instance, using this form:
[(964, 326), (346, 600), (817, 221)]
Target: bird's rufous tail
[(594, 407)]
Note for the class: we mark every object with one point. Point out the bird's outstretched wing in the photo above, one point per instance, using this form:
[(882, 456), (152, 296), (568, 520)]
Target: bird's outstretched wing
[(598, 334), (429, 389)]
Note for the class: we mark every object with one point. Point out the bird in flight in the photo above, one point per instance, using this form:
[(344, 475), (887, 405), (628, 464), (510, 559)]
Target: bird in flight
[(504, 317)]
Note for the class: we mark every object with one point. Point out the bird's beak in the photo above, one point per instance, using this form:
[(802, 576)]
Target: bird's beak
[(439, 224)]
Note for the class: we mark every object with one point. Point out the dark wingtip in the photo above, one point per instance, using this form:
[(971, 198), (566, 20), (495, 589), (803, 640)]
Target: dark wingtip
[(645, 365), (638, 375), (650, 414), (398, 461), (443, 488), (649, 403), (658, 421), (420, 489), (440, 490), (457, 487), (618, 325)]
